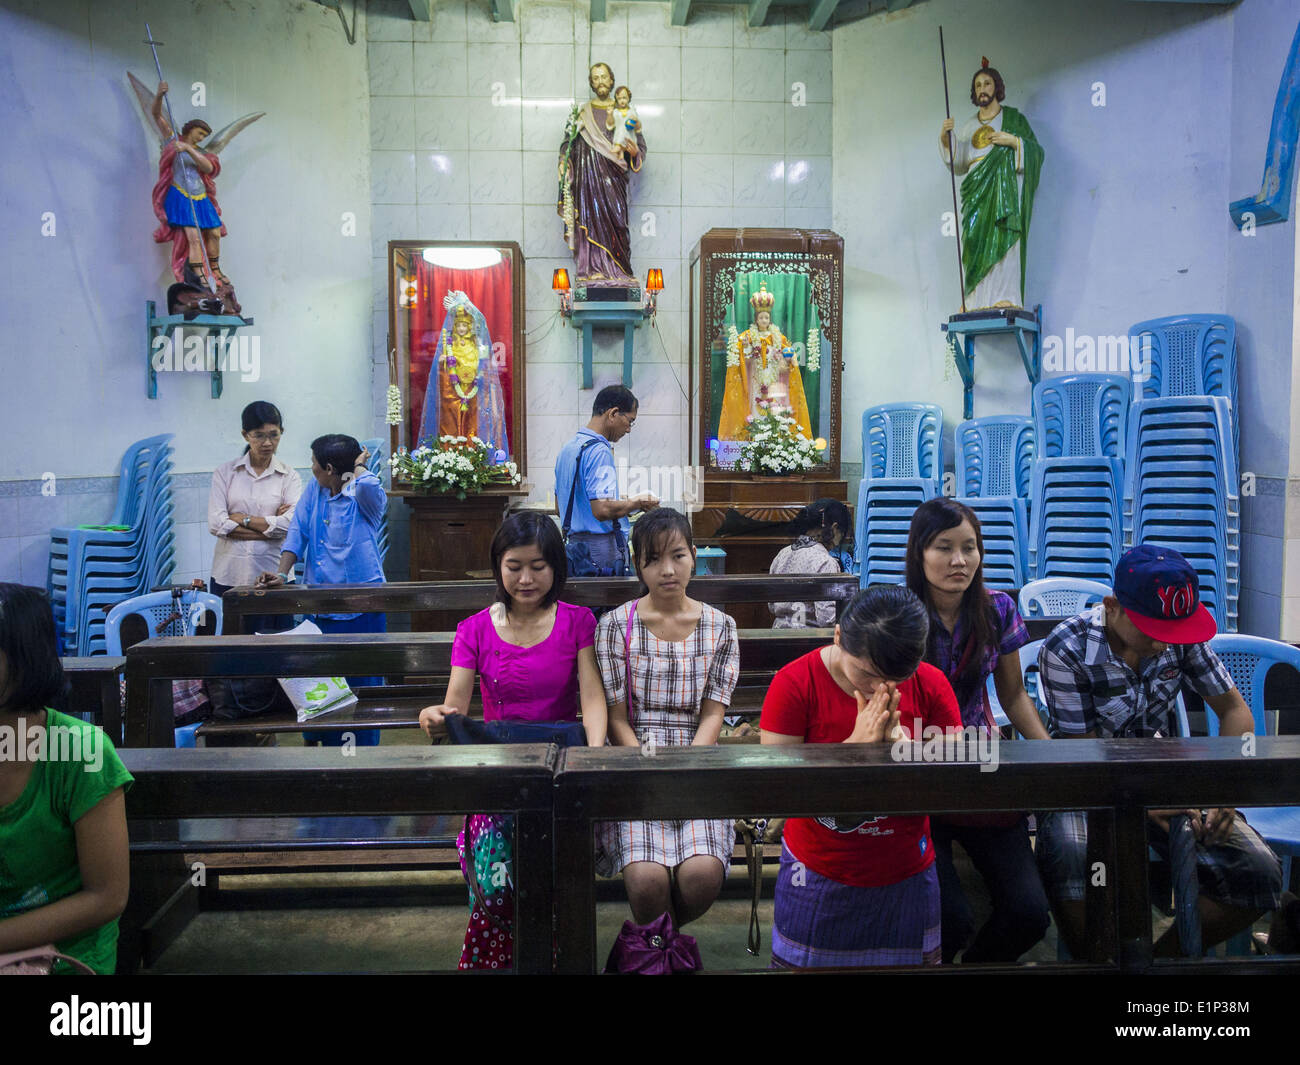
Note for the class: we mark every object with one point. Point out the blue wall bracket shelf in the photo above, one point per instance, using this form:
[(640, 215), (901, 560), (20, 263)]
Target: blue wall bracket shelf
[(964, 328), (215, 331), (589, 314)]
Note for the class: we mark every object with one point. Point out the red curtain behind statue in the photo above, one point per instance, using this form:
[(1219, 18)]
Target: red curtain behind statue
[(489, 289)]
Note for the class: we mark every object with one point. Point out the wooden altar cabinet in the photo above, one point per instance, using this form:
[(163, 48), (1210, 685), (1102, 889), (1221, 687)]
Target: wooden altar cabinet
[(764, 499), (451, 539)]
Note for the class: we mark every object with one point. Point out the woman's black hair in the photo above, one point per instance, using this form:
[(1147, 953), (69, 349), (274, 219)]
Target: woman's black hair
[(652, 531), (34, 674), (523, 530), (888, 625), (977, 616), (337, 450), (816, 519), (260, 413)]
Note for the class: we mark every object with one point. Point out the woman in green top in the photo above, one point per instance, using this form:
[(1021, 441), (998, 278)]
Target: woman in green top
[(64, 872)]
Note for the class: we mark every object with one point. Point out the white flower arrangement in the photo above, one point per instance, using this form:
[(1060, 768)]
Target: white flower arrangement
[(733, 346), (775, 444), (394, 405), (813, 363), (453, 465)]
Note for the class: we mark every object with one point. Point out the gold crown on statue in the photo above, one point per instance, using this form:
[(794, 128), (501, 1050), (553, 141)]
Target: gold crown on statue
[(462, 312), (762, 300)]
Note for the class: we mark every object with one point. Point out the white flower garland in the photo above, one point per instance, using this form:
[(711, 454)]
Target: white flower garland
[(814, 360), (733, 346), (394, 405)]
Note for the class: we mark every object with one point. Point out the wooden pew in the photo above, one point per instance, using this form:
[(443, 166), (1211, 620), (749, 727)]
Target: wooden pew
[(171, 786), (152, 664), (93, 689), (557, 799), (1117, 779), (469, 597)]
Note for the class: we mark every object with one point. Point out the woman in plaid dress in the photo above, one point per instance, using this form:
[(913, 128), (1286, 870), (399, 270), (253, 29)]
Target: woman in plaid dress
[(683, 659)]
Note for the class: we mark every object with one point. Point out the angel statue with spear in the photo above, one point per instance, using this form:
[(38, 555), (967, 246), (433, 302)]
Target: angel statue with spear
[(1001, 160), (185, 194)]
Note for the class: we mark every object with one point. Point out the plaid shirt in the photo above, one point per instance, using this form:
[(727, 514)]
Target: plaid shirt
[(1089, 688)]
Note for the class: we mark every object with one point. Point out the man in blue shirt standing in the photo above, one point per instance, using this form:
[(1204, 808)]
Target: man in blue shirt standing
[(586, 484), (335, 531)]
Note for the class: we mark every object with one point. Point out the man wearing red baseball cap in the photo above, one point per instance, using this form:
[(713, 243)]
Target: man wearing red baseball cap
[(1115, 671)]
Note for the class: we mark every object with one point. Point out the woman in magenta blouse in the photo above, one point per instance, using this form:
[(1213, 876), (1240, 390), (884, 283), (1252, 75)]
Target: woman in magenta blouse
[(535, 661)]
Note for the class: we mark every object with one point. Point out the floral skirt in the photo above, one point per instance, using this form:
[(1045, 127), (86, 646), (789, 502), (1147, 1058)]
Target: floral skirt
[(485, 848)]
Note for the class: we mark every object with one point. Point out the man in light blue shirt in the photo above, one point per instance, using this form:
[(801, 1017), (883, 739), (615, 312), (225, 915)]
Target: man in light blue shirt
[(586, 485), (335, 530)]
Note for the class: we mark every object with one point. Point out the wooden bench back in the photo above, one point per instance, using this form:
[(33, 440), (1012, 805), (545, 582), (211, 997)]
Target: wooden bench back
[(152, 664), (469, 597)]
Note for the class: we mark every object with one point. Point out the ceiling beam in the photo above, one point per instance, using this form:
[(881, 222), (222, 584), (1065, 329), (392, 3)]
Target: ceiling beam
[(758, 12), (503, 10), (820, 12), (597, 10), (421, 10), (897, 5), (679, 9)]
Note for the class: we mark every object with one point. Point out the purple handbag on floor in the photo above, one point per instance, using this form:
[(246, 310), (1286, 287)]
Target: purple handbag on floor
[(654, 949)]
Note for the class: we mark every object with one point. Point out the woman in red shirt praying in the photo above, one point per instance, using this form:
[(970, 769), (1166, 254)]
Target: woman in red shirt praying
[(859, 889)]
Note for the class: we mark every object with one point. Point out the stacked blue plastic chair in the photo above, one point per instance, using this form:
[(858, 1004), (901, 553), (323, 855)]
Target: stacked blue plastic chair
[(378, 465), (994, 460), (1076, 493), (1181, 491), (1186, 355), (1181, 488), (902, 467), (93, 567)]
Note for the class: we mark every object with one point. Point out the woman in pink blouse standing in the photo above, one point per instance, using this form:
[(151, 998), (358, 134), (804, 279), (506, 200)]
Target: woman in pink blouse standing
[(535, 662), (251, 504)]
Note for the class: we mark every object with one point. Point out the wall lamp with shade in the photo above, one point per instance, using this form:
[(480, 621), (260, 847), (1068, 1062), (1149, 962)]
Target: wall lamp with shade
[(654, 284), (560, 284)]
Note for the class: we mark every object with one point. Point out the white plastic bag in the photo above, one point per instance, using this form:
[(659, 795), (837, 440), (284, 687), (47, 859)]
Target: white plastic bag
[(314, 696)]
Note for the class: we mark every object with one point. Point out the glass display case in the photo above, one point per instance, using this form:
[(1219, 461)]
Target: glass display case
[(455, 341), (765, 313)]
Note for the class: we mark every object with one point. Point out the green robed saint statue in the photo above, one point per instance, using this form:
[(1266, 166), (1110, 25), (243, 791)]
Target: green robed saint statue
[(1001, 160)]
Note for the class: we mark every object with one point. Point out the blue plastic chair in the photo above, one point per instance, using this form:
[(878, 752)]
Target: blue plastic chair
[(994, 456), (155, 608), (1249, 659), (1081, 415), (902, 440), (1059, 597), (1186, 355), (92, 568)]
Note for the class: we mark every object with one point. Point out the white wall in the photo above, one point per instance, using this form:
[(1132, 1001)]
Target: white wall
[(1129, 220), (73, 304), (1261, 289)]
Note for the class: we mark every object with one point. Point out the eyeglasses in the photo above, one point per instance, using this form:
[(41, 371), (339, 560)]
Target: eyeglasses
[(264, 438)]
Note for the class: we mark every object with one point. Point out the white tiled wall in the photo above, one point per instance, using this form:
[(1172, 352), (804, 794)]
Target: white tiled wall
[(727, 146)]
